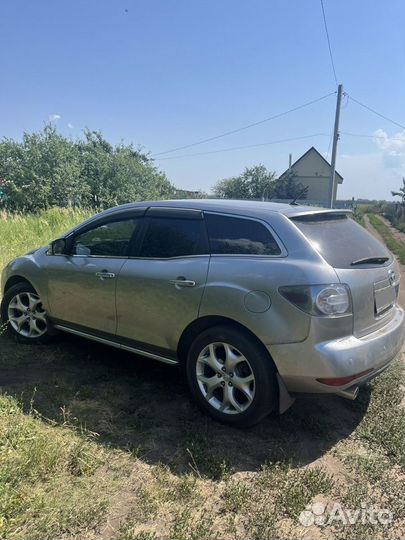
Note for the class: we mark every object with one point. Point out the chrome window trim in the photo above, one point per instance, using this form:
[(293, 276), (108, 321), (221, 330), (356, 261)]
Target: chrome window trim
[(200, 255), (283, 250), (141, 258), (249, 256), (98, 256)]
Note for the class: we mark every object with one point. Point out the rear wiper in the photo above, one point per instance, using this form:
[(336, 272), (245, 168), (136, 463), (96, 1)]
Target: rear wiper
[(370, 260)]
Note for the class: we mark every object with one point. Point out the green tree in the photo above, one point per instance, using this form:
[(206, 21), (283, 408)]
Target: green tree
[(401, 192), (47, 169), (41, 171), (287, 187), (399, 212), (116, 175), (254, 183), (258, 183)]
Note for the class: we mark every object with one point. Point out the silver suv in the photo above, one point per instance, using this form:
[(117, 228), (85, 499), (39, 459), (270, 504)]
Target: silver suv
[(257, 301)]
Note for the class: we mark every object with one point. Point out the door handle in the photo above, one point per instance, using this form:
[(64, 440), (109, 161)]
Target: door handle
[(105, 275), (181, 282)]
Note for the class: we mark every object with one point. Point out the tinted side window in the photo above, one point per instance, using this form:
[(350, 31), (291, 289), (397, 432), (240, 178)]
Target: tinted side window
[(108, 240), (235, 236), (173, 237)]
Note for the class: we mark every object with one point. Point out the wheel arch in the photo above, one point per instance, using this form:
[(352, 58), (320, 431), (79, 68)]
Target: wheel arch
[(285, 400), (14, 280), (204, 323)]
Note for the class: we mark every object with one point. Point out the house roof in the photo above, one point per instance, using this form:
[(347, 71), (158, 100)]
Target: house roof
[(320, 155)]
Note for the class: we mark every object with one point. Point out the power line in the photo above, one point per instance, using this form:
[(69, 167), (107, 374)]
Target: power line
[(373, 136), (234, 148), (329, 45), (375, 112), (246, 146), (237, 130)]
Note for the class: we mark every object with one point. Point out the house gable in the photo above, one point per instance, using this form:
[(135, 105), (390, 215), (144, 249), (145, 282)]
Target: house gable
[(312, 165)]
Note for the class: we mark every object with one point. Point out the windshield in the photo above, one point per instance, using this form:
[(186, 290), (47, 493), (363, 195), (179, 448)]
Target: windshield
[(341, 241)]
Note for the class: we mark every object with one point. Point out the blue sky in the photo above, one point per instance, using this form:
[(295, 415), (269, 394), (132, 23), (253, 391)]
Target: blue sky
[(165, 73)]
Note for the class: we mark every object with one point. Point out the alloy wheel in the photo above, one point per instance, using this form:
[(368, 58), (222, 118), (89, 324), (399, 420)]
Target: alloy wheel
[(26, 315), (225, 378)]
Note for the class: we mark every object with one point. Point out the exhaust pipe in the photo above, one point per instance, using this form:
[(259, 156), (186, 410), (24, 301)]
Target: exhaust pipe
[(349, 393)]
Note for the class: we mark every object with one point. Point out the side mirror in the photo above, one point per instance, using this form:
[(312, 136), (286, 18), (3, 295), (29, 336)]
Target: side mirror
[(58, 247)]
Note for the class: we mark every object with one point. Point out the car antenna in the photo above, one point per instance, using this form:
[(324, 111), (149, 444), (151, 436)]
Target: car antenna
[(294, 201)]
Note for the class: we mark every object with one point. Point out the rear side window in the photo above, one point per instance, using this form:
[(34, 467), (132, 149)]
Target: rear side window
[(234, 236), (173, 237), (339, 239)]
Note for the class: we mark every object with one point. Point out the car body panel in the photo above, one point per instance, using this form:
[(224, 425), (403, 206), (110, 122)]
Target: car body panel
[(232, 279), (30, 268), (363, 283), (150, 308), (300, 365), (76, 294)]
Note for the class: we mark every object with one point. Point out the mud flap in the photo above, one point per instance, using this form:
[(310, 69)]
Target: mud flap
[(285, 399)]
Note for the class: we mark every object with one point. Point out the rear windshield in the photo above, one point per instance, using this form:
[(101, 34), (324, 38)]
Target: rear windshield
[(340, 240)]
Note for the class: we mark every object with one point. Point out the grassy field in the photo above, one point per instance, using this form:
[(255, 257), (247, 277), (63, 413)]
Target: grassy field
[(20, 233), (394, 245), (97, 443)]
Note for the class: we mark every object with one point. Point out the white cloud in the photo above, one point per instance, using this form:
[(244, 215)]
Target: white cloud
[(54, 117), (367, 176), (70, 126), (376, 174), (392, 147)]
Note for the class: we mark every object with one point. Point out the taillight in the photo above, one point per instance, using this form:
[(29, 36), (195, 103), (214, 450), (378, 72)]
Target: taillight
[(320, 300), (333, 300)]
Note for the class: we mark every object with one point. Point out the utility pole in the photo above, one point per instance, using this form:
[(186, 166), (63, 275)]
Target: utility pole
[(334, 147)]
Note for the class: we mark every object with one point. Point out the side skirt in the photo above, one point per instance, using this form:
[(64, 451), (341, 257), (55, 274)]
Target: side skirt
[(116, 344)]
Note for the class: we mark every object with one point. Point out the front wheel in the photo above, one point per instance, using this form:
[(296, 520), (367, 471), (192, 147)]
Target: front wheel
[(24, 314), (231, 377)]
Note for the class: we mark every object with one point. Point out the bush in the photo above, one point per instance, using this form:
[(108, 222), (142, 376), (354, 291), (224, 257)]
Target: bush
[(46, 169)]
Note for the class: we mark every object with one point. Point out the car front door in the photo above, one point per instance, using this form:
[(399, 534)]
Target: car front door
[(160, 286), (82, 283)]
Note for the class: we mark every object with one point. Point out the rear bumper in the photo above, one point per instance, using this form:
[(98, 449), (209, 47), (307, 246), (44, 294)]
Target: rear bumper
[(301, 364)]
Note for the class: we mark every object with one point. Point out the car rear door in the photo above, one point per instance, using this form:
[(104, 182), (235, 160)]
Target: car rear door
[(159, 288), (82, 284)]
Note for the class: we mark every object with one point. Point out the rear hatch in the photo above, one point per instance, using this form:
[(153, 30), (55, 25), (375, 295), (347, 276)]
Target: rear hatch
[(360, 261)]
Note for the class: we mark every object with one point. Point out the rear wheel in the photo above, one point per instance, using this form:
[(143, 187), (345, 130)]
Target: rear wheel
[(231, 377), (24, 314)]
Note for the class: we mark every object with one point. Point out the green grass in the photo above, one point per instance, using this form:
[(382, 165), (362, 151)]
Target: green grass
[(48, 477), (394, 245), (59, 480), (19, 233), (358, 214)]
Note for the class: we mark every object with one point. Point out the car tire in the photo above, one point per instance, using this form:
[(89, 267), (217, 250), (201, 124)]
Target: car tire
[(22, 312), (231, 376)]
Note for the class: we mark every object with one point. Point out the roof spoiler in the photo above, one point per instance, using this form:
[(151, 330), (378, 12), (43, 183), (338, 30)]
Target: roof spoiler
[(313, 215)]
